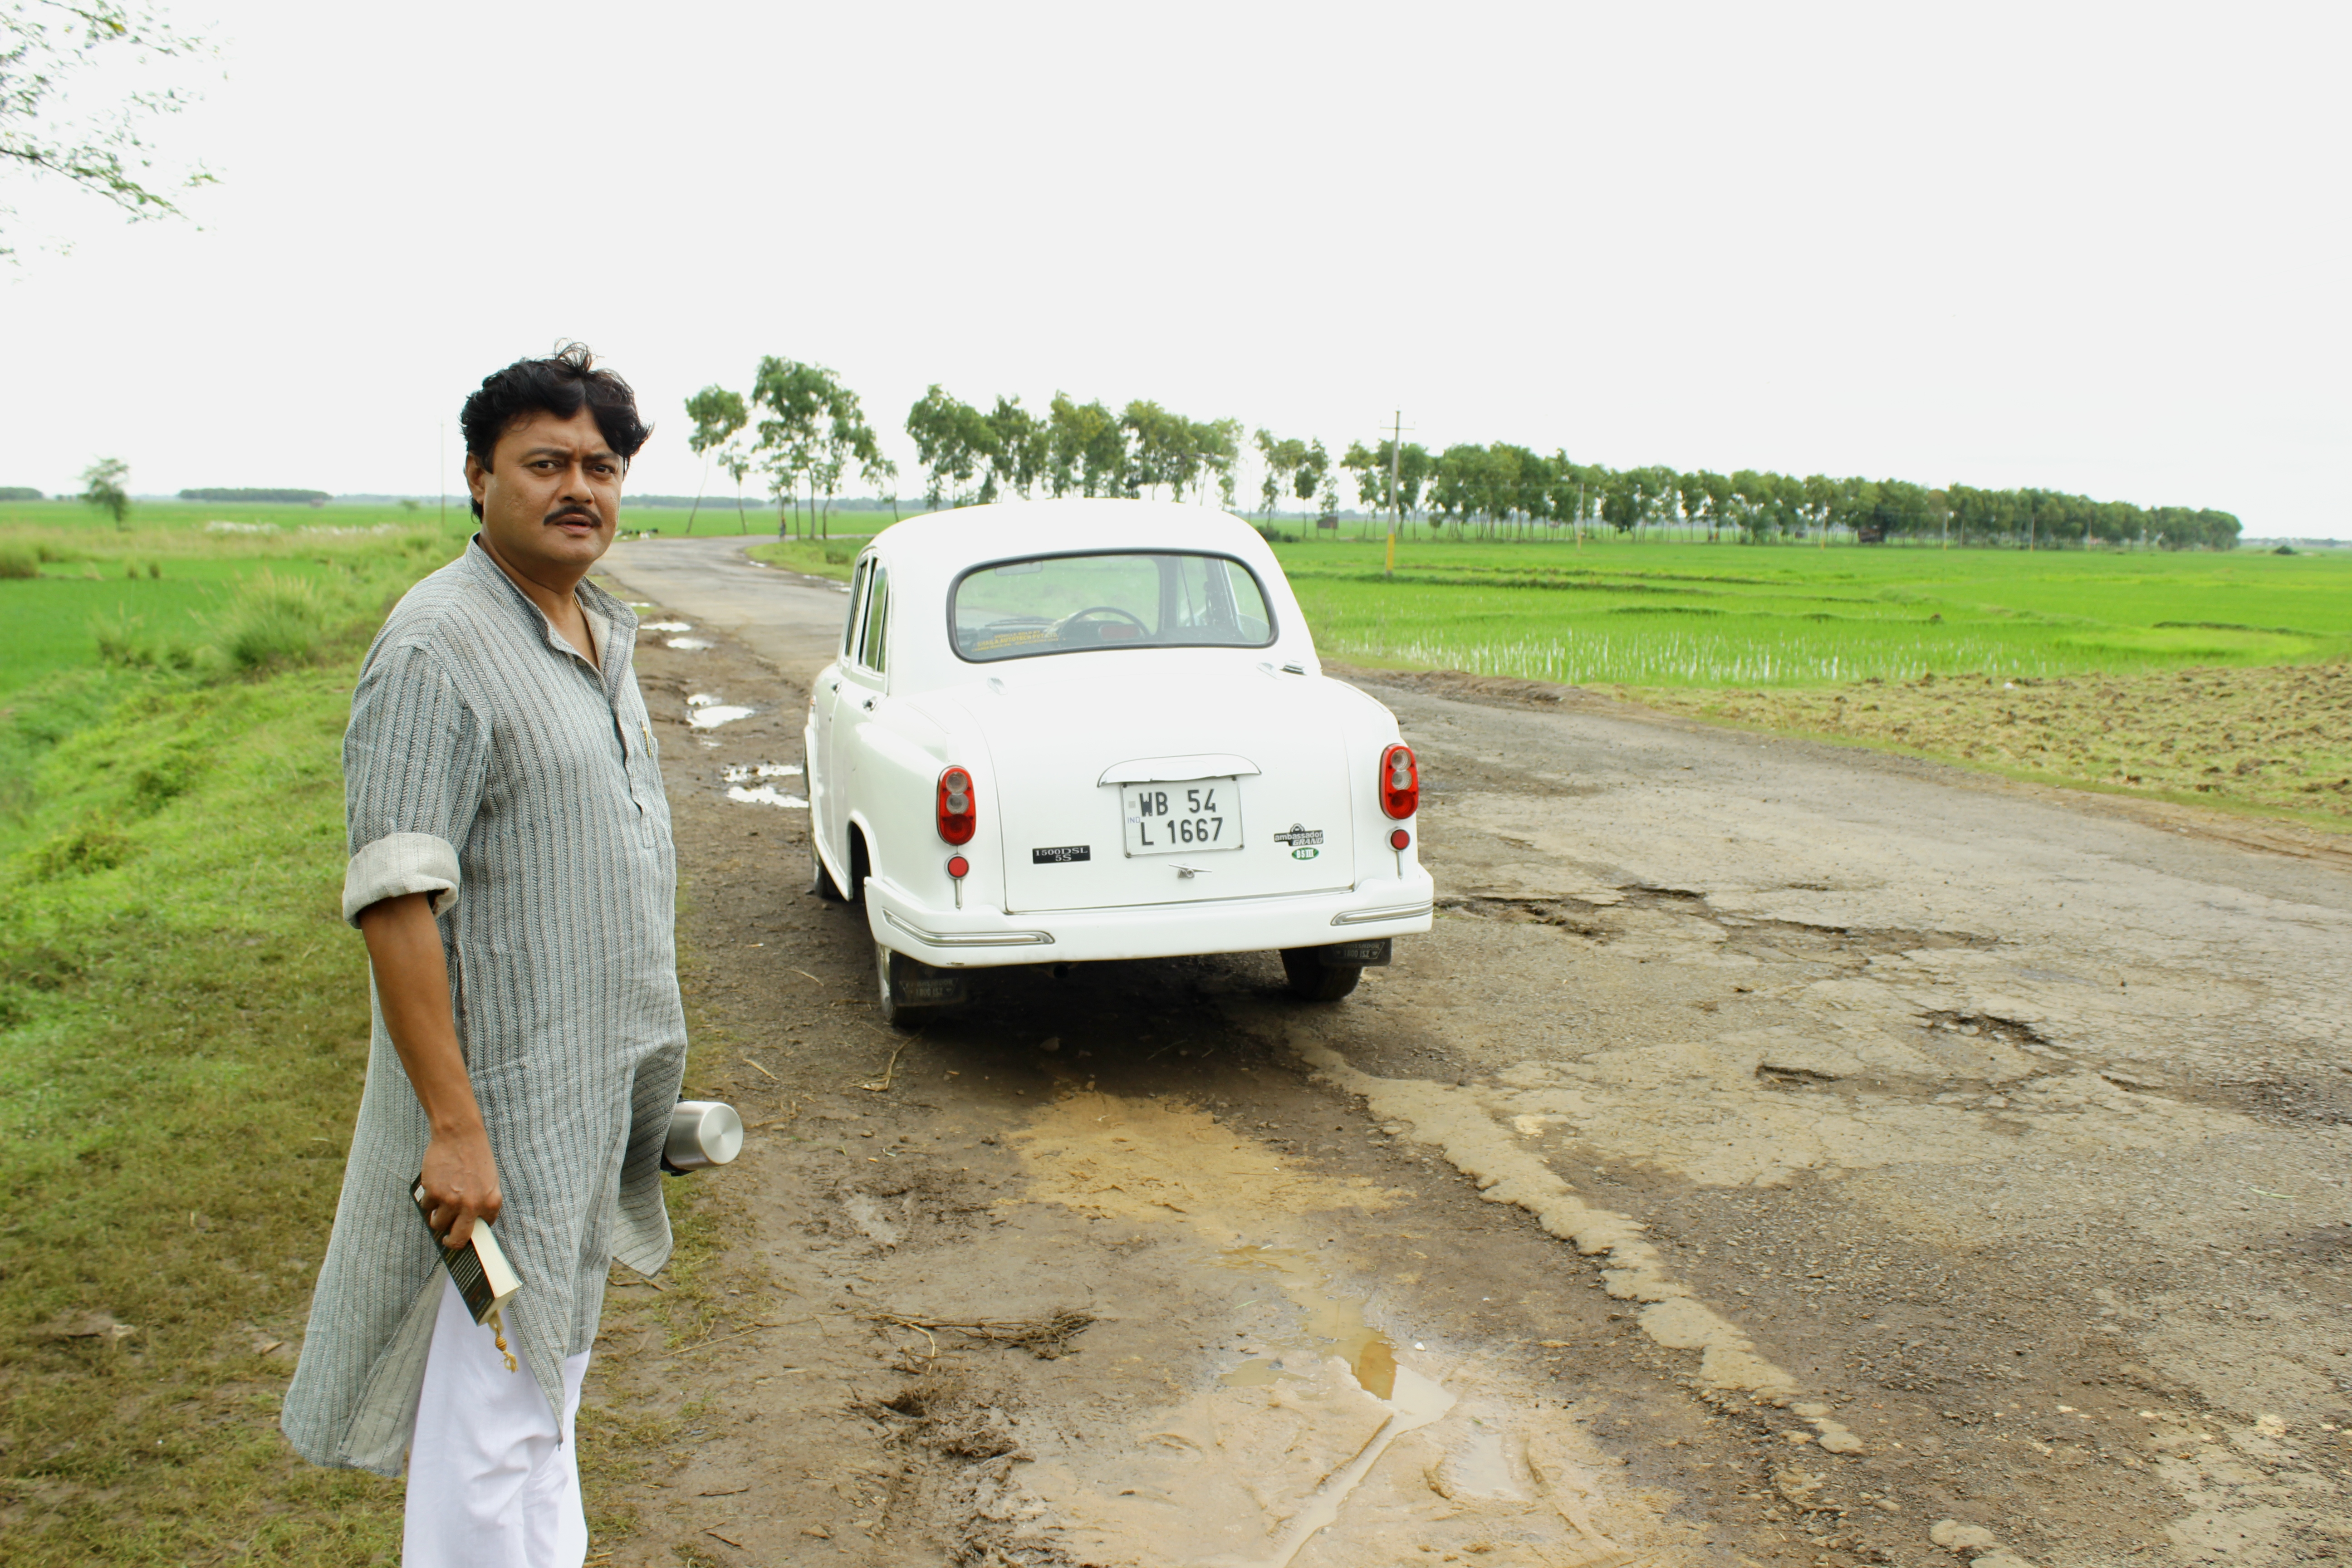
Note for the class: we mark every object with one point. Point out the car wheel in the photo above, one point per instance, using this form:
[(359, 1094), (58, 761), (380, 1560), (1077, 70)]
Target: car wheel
[(821, 882), (1313, 979)]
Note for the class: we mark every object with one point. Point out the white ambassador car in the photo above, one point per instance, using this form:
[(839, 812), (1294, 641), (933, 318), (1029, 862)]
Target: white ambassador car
[(1066, 731)]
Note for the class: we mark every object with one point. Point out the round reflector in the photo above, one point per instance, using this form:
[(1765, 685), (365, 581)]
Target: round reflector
[(1400, 840), (958, 865)]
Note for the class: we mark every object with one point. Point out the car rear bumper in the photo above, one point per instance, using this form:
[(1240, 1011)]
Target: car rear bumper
[(976, 937)]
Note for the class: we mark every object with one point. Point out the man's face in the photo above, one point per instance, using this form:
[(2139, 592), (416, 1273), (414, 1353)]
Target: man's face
[(551, 494)]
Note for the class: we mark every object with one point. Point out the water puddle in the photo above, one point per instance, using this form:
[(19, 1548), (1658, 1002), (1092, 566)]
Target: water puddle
[(742, 772), (665, 625), (1417, 1402), (766, 795), (1331, 1325), (1326, 1439), (691, 645), (704, 711)]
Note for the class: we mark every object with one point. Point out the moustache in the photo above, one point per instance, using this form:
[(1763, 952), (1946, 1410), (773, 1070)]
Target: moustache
[(572, 514)]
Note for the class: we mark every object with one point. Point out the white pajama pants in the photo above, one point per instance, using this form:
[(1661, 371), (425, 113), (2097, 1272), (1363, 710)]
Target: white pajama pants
[(493, 1479)]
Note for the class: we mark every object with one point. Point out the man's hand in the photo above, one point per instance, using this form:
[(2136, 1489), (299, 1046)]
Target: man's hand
[(461, 1185), (411, 988)]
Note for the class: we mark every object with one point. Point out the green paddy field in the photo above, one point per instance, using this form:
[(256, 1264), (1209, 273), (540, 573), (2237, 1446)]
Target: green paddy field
[(1654, 615)]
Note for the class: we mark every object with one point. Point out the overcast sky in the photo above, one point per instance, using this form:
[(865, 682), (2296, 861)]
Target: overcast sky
[(2097, 248)]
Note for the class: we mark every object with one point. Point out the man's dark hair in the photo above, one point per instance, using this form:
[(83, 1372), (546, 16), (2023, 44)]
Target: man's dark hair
[(558, 384)]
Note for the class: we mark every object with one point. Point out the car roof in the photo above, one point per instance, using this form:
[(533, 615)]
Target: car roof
[(970, 534), (926, 554)]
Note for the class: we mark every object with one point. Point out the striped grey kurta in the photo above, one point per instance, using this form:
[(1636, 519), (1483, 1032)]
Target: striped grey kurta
[(493, 768)]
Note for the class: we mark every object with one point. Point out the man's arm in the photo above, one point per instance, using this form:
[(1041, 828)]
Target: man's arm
[(412, 987)]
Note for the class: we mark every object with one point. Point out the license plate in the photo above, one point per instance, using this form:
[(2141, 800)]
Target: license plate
[(1189, 818)]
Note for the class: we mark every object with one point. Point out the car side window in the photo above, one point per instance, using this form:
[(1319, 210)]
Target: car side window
[(873, 652), (856, 607)]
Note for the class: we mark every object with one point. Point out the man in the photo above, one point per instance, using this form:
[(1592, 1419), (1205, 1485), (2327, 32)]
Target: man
[(511, 872)]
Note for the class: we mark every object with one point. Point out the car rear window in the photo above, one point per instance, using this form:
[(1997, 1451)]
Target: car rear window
[(1073, 603)]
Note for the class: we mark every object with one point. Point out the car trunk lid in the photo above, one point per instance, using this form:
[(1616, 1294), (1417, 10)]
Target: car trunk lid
[(1207, 782)]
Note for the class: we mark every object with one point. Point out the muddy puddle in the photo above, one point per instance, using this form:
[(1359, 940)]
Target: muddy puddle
[(707, 712), (747, 783), (1331, 1327), (1317, 1431), (765, 794)]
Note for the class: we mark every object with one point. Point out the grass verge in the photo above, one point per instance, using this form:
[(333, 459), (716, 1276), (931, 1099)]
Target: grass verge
[(185, 1021), (183, 1040), (833, 558)]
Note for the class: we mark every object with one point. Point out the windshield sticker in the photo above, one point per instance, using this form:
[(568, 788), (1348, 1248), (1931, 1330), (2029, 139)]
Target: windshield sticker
[(1062, 854), (1015, 638), (1299, 835)]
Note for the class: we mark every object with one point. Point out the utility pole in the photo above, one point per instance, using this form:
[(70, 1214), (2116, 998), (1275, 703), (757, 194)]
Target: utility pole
[(442, 482), (1396, 448)]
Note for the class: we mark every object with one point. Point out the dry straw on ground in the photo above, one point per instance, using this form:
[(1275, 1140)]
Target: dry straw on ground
[(2277, 737)]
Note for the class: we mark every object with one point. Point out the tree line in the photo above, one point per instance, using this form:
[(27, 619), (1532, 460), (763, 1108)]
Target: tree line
[(1504, 490), (804, 432)]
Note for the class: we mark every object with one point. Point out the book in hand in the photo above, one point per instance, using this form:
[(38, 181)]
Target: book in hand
[(486, 1281)]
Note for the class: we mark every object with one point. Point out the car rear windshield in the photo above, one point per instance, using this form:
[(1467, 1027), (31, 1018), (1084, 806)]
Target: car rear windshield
[(1069, 603)]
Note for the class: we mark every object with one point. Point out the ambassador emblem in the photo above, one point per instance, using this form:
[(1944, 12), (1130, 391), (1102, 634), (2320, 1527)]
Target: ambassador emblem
[(1299, 835)]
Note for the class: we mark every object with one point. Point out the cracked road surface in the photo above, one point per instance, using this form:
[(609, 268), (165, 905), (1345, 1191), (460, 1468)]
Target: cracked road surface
[(1777, 1154)]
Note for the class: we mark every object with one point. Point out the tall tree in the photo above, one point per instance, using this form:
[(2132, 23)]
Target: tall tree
[(735, 459), (846, 438), (1020, 451), (1161, 450), (1455, 483), (952, 441), (1820, 498), (793, 397), (102, 488), (1620, 503), (718, 414), (1370, 471), (46, 44), (1217, 445), (1311, 472), (1087, 448), (1279, 460)]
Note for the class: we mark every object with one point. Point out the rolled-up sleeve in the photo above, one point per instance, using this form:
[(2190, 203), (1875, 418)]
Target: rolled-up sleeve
[(415, 762)]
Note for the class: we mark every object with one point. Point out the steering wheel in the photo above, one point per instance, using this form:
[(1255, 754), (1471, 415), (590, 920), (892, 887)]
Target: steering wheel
[(1140, 629)]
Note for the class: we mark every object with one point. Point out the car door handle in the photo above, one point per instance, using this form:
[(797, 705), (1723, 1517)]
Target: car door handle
[(869, 705)]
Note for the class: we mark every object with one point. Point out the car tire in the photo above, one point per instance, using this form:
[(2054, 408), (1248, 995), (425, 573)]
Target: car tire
[(821, 882), (1312, 980)]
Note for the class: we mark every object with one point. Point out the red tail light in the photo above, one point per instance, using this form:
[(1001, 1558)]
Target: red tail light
[(958, 813), (1400, 783)]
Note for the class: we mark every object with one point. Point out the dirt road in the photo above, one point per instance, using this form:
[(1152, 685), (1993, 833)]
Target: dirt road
[(1777, 1154)]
